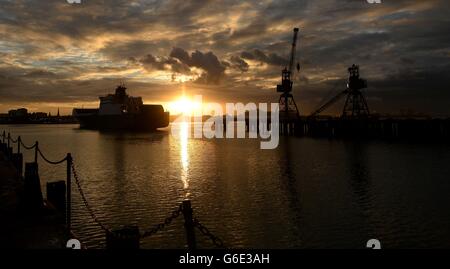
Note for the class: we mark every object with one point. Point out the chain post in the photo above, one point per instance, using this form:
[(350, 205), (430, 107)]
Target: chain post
[(4, 136), (69, 191), (36, 149), (9, 139), (189, 224), (19, 140)]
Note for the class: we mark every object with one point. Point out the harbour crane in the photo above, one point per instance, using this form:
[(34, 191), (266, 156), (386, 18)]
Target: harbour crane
[(355, 103), (288, 107)]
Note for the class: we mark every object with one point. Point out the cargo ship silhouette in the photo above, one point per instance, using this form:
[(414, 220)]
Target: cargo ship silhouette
[(120, 111)]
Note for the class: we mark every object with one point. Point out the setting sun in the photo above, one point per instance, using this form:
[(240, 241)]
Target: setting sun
[(184, 105)]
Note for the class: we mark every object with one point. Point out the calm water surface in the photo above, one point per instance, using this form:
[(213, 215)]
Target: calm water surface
[(307, 193)]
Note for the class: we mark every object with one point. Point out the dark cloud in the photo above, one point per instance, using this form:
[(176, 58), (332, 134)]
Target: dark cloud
[(214, 69), (151, 62), (412, 79), (238, 63), (40, 74), (270, 58), (119, 51), (20, 89), (247, 55), (181, 55), (413, 90)]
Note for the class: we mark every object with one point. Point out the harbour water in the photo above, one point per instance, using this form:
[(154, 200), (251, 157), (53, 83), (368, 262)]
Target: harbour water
[(307, 193)]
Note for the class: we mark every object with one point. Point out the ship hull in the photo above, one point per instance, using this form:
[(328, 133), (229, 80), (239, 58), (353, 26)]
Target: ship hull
[(124, 122)]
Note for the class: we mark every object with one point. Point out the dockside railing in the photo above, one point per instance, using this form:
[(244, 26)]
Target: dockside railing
[(59, 194)]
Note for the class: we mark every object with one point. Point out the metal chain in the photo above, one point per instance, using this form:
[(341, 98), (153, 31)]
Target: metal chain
[(205, 231), (83, 197), (148, 233), (47, 160), (166, 222), (13, 141), (25, 146)]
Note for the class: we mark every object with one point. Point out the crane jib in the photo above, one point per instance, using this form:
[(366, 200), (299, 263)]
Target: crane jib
[(294, 44)]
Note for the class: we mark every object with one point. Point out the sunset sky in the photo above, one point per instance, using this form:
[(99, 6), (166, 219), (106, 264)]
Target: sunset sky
[(54, 54)]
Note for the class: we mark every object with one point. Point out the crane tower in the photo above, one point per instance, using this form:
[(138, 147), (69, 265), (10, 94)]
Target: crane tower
[(355, 104), (288, 107)]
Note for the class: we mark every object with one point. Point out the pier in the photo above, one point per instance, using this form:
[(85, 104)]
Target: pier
[(424, 129), (389, 128), (30, 221)]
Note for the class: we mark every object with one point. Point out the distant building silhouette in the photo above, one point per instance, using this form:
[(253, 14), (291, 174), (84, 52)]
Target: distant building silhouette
[(21, 116), (18, 115)]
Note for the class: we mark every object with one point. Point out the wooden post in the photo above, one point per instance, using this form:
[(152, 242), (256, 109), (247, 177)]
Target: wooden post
[(56, 195), (9, 148), (69, 192), (9, 152), (36, 148), (17, 159), (189, 224), (32, 187)]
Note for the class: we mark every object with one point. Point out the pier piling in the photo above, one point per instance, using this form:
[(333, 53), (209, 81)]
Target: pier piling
[(189, 224), (17, 160), (68, 208), (56, 195), (3, 147), (9, 153), (32, 187)]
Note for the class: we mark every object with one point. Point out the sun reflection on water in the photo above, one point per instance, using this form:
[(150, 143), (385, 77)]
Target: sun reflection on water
[(184, 153)]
